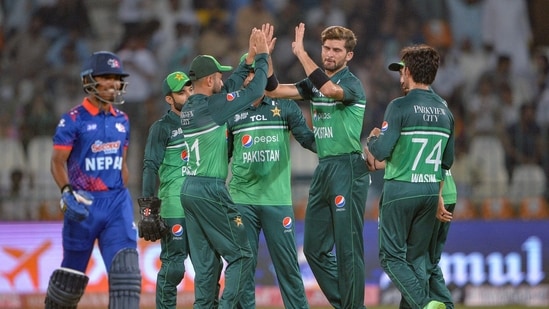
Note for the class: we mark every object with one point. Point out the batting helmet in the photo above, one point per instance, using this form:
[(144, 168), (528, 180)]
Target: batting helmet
[(103, 63)]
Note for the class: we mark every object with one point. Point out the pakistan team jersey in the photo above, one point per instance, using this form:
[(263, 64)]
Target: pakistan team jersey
[(261, 166), (204, 118), (97, 140), (165, 152), (337, 124), (420, 129)]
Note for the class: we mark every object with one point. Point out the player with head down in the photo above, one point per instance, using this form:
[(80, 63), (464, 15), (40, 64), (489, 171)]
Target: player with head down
[(89, 166)]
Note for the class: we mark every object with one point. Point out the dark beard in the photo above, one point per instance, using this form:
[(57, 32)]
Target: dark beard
[(178, 106)]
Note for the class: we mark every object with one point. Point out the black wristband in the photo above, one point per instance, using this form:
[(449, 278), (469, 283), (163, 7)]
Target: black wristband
[(272, 83), (318, 78), (66, 188)]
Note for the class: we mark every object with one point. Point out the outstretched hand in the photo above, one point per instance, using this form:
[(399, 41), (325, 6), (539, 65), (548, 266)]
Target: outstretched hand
[(268, 30), (258, 42), (297, 44)]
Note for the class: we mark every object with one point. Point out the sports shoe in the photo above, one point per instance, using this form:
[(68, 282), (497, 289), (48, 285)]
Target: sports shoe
[(435, 305)]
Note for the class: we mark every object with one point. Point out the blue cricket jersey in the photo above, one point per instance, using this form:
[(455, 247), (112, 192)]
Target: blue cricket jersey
[(97, 141)]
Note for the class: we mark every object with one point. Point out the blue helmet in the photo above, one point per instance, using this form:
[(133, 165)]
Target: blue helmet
[(103, 63)]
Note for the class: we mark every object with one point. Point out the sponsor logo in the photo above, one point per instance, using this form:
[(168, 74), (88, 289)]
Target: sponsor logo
[(321, 116), (177, 132), (231, 96), (287, 222), (247, 141), (107, 148), (177, 230), (384, 126), (146, 212), (339, 201), (240, 116)]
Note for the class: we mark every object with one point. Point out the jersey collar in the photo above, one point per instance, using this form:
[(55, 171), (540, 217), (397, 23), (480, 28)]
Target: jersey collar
[(94, 110)]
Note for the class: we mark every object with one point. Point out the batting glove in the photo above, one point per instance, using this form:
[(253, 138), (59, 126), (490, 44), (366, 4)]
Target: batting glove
[(74, 204)]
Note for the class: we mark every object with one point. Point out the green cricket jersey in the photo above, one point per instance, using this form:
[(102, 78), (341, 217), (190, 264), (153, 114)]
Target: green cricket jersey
[(204, 118), (416, 138), (337, 124), (165, 155), (259, 142)]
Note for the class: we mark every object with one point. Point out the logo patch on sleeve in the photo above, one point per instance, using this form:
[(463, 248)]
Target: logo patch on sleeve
[(384, 126)]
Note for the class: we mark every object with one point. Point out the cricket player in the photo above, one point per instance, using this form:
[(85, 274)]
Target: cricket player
[(416, 140), (89, 165), (339, 189), (165, 159), (211, 216), (259, 144)]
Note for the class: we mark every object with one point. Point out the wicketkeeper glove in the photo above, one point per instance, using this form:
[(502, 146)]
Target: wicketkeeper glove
[(74, 204), (151, 226)]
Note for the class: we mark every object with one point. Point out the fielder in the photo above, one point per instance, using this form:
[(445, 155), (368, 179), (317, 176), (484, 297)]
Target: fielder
[(162, 216), (339, 189), (211, 216), (417, 142), (259, 144)]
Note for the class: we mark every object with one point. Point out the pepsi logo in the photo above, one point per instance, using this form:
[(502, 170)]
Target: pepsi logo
[(339, 201), (185, 155), (177, 230), (287, 222), (247, 141), (230, 96), (384, 126)]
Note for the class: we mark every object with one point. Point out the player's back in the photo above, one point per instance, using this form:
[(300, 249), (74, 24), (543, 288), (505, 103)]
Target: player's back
[(424, 126), (206, 140)]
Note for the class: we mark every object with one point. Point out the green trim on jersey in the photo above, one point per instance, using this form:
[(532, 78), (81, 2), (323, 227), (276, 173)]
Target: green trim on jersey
[(449, 191), (337, 124), (165, 154), (259, 142)]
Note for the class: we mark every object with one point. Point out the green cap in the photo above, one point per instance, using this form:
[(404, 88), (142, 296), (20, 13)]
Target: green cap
[(204, 65), (174, 82), (396, 66), (243, 59)]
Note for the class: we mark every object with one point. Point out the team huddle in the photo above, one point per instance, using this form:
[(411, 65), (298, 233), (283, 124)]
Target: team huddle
[(245, 123)]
